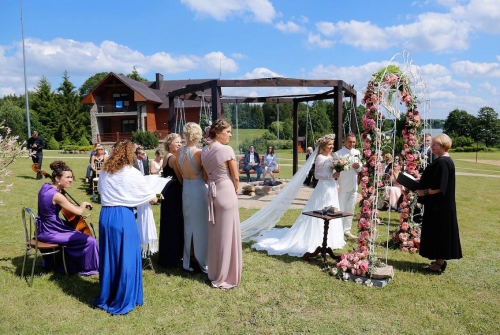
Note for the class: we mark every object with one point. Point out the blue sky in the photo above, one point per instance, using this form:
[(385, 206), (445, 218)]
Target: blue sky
[(454, 43)]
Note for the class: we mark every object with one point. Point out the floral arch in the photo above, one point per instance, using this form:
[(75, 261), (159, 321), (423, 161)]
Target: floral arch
[(395, 91)]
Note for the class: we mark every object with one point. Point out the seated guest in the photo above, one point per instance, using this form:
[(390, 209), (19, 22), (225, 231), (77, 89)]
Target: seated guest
[(81, 251), (310, 176), (392, 189), (252, 162), (122, 187), (96, 162), (156, 164), (141, 161), (269, 163)]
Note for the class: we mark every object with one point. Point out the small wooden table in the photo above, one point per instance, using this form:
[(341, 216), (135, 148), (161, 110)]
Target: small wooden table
[(324, 249)]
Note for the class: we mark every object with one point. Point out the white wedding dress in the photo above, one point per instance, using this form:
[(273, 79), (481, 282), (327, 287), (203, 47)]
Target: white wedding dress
[(306, 234)]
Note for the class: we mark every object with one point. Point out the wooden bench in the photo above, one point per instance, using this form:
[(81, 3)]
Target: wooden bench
[(241, 165)]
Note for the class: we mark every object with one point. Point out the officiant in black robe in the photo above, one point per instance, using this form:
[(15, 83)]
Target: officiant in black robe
[(440, 238)]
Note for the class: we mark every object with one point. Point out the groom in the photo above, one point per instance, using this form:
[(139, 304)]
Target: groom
[(348, 181)]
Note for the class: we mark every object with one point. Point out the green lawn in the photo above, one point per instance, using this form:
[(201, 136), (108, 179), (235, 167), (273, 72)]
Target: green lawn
[(278, 294)]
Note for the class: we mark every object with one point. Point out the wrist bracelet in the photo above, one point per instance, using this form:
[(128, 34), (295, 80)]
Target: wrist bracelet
[(426, 192)]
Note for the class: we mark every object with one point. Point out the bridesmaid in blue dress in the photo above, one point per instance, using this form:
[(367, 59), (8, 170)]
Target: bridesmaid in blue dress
[(171, 218), (194, 200), (121, 187), (81, 251)]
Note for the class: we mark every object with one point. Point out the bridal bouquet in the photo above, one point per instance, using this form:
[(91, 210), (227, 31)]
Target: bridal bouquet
[(340, 164)]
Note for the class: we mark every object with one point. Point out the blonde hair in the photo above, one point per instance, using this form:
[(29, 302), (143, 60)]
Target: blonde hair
[(443, 140), (321, 142), (170, 138), (192, 132)]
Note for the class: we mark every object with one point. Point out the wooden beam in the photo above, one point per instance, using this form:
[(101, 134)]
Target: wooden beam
[(277, 82), (192, 88), (171, 115)]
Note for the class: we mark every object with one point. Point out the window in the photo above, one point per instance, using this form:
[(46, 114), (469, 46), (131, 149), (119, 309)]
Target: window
[(129, 126), (120, 101)]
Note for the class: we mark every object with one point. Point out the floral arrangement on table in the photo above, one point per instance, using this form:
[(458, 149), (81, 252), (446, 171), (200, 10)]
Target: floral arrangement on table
[(341, 163), (206, 140)]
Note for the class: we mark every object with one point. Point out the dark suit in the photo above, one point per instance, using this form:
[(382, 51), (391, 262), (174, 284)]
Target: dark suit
[(257, 168), (427, 155), (145, 165), (37, 152)]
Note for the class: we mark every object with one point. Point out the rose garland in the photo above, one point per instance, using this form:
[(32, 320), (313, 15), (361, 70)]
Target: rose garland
[(390, 79)]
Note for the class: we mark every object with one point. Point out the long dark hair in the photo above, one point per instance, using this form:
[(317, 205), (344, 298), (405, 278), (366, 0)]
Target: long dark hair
[(272, 150)]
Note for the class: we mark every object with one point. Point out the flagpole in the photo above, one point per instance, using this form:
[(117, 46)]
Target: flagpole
[(25, 80)]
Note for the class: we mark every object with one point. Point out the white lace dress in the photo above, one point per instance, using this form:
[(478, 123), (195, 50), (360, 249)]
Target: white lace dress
[(306, 234)]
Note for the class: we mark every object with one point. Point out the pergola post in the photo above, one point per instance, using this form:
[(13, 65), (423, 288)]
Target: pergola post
[(171, 117), (295, 136)]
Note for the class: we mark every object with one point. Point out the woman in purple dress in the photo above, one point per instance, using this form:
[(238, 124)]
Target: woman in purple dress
[(82, 252), (224, 257)]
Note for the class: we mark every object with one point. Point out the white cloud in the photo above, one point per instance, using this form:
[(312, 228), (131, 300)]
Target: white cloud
[(238, 55), (484, 15), (363, 35), (216, 61), (220, 10), (289, 27), (490, 88), (468, 68), (261, 72), (315, 39), (84, 59)]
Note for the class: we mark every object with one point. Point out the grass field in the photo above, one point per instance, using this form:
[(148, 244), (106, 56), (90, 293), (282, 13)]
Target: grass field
[(278, 294)]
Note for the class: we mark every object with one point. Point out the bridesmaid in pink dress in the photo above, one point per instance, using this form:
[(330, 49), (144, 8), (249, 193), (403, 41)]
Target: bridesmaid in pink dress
[(224, 257)]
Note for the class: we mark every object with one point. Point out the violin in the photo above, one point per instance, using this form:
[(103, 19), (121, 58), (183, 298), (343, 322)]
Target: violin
[(76, 221)]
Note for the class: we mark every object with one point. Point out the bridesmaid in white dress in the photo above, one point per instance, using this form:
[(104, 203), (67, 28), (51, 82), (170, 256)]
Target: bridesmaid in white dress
[(306, 233)]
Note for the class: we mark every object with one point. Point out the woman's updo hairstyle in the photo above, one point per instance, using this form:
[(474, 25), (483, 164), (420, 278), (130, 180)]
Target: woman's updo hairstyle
[(192, 132), (217, 127), (58, 167)]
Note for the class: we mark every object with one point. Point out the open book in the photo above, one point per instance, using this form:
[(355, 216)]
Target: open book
[(408, 181)]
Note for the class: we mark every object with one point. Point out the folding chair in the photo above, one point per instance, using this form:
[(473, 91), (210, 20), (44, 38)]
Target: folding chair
[(95, 191), (34, 247)]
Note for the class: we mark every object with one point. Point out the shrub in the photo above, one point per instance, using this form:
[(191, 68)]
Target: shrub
[(463, 141), (52, 144), (145, 138), (86, 147), (65, 142), (70, 147), (83, 141)]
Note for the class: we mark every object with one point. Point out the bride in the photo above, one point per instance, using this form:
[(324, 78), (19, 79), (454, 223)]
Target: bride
[(306, 233)]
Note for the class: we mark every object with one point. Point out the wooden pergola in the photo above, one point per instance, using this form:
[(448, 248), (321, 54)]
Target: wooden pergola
[(337, 90)]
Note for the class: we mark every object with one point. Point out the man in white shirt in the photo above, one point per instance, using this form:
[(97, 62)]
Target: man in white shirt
[(348, 181), (141, 161)]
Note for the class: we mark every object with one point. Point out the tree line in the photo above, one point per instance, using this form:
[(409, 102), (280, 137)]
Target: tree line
[(59, 116)]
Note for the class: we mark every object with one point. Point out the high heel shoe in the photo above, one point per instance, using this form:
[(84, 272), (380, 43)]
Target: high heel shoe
[(441, 269)]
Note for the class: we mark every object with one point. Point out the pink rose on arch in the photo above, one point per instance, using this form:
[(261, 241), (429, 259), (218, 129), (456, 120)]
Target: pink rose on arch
[(364, 180), (404, 227), (411, 143), (363, 265), (367, 153), (371, 189), (413, 250), (410, 243), (404, 215), (404, 249)]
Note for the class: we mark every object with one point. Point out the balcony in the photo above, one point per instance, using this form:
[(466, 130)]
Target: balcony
[(110, 109), (113, 137)]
